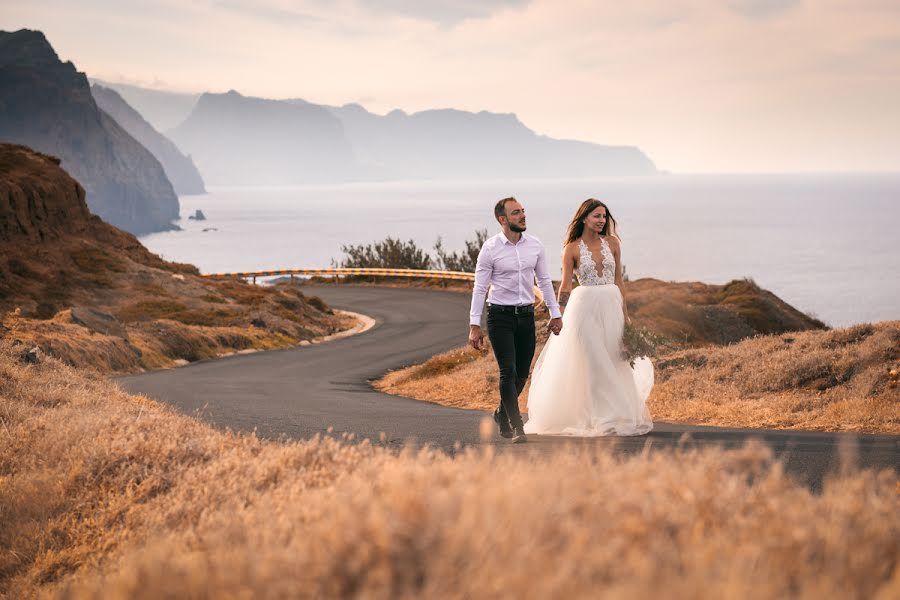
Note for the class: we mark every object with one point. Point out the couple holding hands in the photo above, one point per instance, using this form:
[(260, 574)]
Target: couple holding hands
[(582, 384)]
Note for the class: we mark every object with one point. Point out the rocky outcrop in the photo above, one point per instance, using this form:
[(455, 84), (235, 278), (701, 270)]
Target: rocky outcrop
[(697, 314), (238, 140), (180, 169), (90, 294), (38, 201), (55, 253), (47, 105)]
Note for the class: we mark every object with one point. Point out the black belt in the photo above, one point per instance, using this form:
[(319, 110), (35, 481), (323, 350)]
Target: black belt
[(523, 309)]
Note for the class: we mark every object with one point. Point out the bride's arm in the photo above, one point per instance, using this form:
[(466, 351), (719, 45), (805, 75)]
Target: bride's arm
[(620, 281), (565, 285)]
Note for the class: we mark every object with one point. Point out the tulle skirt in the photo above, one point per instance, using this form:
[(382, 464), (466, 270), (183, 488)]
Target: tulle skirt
[(581, 385)]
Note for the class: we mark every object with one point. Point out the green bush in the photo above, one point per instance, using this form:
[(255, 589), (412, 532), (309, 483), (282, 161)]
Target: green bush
[(388, 254), (460, 261), (393, 253)]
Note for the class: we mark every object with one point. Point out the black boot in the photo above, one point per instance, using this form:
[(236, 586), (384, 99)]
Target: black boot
[(503, 423)]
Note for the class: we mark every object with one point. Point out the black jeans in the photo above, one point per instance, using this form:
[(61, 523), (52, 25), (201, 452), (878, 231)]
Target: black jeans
[(512, 338)]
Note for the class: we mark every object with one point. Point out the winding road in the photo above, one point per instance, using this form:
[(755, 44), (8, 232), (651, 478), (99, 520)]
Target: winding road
[(299, 392)]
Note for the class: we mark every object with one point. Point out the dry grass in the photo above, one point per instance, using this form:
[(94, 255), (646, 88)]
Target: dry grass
[(699, 314), (469, 383), (156, 344), (108, 495), (160, 321), (831, 380), (819, 380)]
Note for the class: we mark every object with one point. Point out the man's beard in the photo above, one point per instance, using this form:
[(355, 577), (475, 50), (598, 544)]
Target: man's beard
[(516, 229)]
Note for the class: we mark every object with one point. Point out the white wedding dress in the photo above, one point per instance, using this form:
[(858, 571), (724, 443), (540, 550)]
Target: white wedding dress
[(581, 385)]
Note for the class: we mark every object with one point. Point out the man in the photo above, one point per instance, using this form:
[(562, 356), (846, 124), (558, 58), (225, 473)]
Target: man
[(508, 263)]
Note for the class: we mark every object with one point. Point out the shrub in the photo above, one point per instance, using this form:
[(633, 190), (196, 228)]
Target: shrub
[(318, 304), (393, 253), (460, 261), (387, 254)]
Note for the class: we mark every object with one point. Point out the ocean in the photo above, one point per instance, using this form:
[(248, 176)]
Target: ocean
[(825, 243)]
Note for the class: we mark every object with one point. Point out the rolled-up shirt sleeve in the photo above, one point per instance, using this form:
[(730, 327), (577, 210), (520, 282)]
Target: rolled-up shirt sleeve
[(545, 284), (484, 268)]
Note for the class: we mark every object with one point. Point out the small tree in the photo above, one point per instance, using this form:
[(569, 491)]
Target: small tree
[(460, 261), (389, 253)]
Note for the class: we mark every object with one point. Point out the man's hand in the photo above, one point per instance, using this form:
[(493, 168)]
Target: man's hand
[(476, 337), (555, 325)]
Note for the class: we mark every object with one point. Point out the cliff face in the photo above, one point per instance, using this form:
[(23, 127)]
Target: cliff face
[(47, 105), (92, 295), (38, 202), (180, 169), (241, 140), (55, 252)]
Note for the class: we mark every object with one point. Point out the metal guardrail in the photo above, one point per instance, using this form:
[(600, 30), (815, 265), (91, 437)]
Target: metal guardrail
[(342, 272)]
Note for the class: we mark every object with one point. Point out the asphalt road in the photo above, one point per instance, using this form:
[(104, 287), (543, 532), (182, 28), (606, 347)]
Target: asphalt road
[(299, 392)]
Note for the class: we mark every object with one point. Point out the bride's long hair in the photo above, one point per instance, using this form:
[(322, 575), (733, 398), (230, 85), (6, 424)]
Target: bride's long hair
[(576, 227)]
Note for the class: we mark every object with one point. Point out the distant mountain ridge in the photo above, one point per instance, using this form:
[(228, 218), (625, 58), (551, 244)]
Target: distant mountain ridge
[(431, 144), (180, 169), (163, 110), (47, 105), (450, 143), (238, 140)]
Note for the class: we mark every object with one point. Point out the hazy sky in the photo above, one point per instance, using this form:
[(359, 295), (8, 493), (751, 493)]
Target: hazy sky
[(700, 85)]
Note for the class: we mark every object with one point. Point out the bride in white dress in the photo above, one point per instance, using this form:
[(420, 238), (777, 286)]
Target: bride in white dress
[(582, 385)]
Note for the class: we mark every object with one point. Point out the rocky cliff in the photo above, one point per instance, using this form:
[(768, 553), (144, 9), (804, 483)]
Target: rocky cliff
[(180, 169), (47, 105), (91, 294), (56, 253)]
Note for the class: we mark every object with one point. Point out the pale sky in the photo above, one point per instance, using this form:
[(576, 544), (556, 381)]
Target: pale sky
[(699, 85)]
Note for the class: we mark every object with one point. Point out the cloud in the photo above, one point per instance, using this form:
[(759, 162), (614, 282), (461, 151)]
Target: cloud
[(443, 12), (762, 9), (277, 14)]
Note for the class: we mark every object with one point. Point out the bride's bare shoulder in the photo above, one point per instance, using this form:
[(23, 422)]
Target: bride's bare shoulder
[(613, 241), (570, 251)]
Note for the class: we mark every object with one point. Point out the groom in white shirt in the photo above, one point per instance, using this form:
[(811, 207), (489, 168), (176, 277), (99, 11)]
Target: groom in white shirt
[(509, 263)]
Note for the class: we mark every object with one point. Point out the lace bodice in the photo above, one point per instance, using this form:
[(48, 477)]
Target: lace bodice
[(587, 269)]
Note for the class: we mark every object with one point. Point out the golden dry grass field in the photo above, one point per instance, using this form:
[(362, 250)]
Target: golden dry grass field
[(106, 495), (835, 380)]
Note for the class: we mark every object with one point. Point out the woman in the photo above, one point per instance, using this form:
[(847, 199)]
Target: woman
[(582, 385)]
